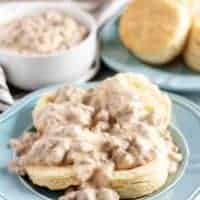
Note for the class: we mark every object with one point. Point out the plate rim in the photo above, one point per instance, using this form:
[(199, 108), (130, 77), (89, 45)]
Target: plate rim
[(175, 98)]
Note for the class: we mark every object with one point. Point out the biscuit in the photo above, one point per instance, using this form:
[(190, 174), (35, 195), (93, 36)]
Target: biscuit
[(133, 183), (156, 30)]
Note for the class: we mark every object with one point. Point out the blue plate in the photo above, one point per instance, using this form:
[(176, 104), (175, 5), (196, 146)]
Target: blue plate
[(186, 117), (174, 76)]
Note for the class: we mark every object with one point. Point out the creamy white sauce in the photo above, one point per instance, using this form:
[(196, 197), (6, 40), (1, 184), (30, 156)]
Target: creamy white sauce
[(42, 33)]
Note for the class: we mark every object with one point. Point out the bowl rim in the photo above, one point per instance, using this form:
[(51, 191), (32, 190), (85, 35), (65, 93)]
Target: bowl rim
[(42, 4)]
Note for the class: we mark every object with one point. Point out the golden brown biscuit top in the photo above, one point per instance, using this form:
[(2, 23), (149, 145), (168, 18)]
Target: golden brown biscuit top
[(152, 23)]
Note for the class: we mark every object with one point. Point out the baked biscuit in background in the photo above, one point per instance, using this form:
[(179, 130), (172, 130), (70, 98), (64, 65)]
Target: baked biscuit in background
[(155, 31)]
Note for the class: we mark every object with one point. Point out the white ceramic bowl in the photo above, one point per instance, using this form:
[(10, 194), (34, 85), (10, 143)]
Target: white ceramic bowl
[(34, 71)]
